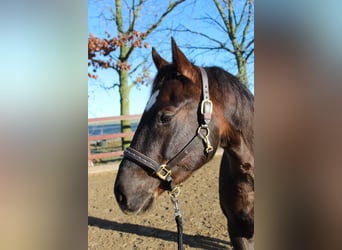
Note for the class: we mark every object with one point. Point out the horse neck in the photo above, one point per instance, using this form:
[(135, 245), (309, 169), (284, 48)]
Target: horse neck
[(235, 114)]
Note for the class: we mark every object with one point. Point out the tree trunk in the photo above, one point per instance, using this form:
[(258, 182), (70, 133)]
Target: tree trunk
[(124, 101), (242, 71), (126, 41)]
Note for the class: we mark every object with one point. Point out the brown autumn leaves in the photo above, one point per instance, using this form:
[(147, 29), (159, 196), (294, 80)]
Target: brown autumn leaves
[(100, 50)]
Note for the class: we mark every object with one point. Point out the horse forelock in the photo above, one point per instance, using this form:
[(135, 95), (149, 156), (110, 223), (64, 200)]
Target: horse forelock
[(173, 84)]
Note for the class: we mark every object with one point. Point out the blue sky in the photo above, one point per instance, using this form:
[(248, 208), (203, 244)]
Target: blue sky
[(103, 103)]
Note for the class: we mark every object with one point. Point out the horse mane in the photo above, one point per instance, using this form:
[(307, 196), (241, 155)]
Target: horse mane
[(240, 113)]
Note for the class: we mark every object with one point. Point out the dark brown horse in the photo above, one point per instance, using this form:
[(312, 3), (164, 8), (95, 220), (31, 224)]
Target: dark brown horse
[(182, 126)]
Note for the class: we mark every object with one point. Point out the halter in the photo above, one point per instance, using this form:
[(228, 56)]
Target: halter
[(163, 171)]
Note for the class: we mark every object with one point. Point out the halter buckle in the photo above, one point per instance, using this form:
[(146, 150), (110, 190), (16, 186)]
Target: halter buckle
[(206, 107), (163, 173)]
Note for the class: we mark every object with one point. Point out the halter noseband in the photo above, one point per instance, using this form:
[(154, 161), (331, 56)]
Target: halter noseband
[(163, 171)]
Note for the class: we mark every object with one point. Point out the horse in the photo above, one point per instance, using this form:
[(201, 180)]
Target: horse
[(191, 112)]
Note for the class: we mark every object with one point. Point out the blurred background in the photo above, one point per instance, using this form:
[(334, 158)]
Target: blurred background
[(44, 107)]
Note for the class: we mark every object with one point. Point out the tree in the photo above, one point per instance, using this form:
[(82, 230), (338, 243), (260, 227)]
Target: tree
[(114, 52), (236, 24), (242, 50)]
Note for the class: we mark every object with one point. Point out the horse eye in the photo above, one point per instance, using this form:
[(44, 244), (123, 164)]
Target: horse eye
[(165, 117)]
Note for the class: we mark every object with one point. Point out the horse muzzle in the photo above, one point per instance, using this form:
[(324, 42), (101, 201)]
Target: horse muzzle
[(132, 206), (134, 193)]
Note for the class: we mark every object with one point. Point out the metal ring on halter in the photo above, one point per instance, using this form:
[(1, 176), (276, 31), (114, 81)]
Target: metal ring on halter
[(205, 137), (174, 193), (204, 128)]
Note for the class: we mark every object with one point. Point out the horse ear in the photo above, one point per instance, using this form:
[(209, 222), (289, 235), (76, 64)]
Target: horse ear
[(184, 66), (157, 59)]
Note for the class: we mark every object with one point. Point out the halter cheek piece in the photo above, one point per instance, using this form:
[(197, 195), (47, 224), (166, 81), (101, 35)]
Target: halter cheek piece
[(163, 172)]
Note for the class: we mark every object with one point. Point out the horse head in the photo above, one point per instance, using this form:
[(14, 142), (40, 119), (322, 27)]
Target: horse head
[(171, 119)]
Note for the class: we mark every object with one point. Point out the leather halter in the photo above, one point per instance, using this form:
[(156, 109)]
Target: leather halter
[(163, 171)]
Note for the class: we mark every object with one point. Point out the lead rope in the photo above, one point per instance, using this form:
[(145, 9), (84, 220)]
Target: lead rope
[(178, 217), (206, 111)]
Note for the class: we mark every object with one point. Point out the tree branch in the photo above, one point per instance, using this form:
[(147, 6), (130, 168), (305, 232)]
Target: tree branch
[(235, 20), (242, 14), (223, 28), (135, 14), (223, 16), (136, 68), (249, 44), (158, 22), (249, 54), (130, 86), (211, 48), (221, 45), (248, 23), (232, 32), (162, 17), (118, 19), (110, 87), (228, 22)]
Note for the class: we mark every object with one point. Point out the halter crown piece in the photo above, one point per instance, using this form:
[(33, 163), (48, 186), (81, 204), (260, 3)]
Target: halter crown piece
[(163, 172)]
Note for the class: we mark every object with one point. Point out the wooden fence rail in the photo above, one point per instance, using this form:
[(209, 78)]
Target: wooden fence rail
[(116, 153)]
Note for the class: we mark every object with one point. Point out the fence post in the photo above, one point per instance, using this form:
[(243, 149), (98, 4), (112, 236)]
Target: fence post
[(90, 162)]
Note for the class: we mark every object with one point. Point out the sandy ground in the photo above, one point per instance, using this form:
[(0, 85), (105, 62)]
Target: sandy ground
[(204, 225)]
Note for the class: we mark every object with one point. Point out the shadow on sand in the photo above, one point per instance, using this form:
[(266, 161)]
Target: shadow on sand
[(196, 241)]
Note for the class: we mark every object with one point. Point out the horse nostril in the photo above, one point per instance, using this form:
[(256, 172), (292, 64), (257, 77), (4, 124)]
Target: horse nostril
[(120, 197)]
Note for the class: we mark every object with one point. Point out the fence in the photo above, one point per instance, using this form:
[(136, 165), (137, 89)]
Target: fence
[(116, 152)]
